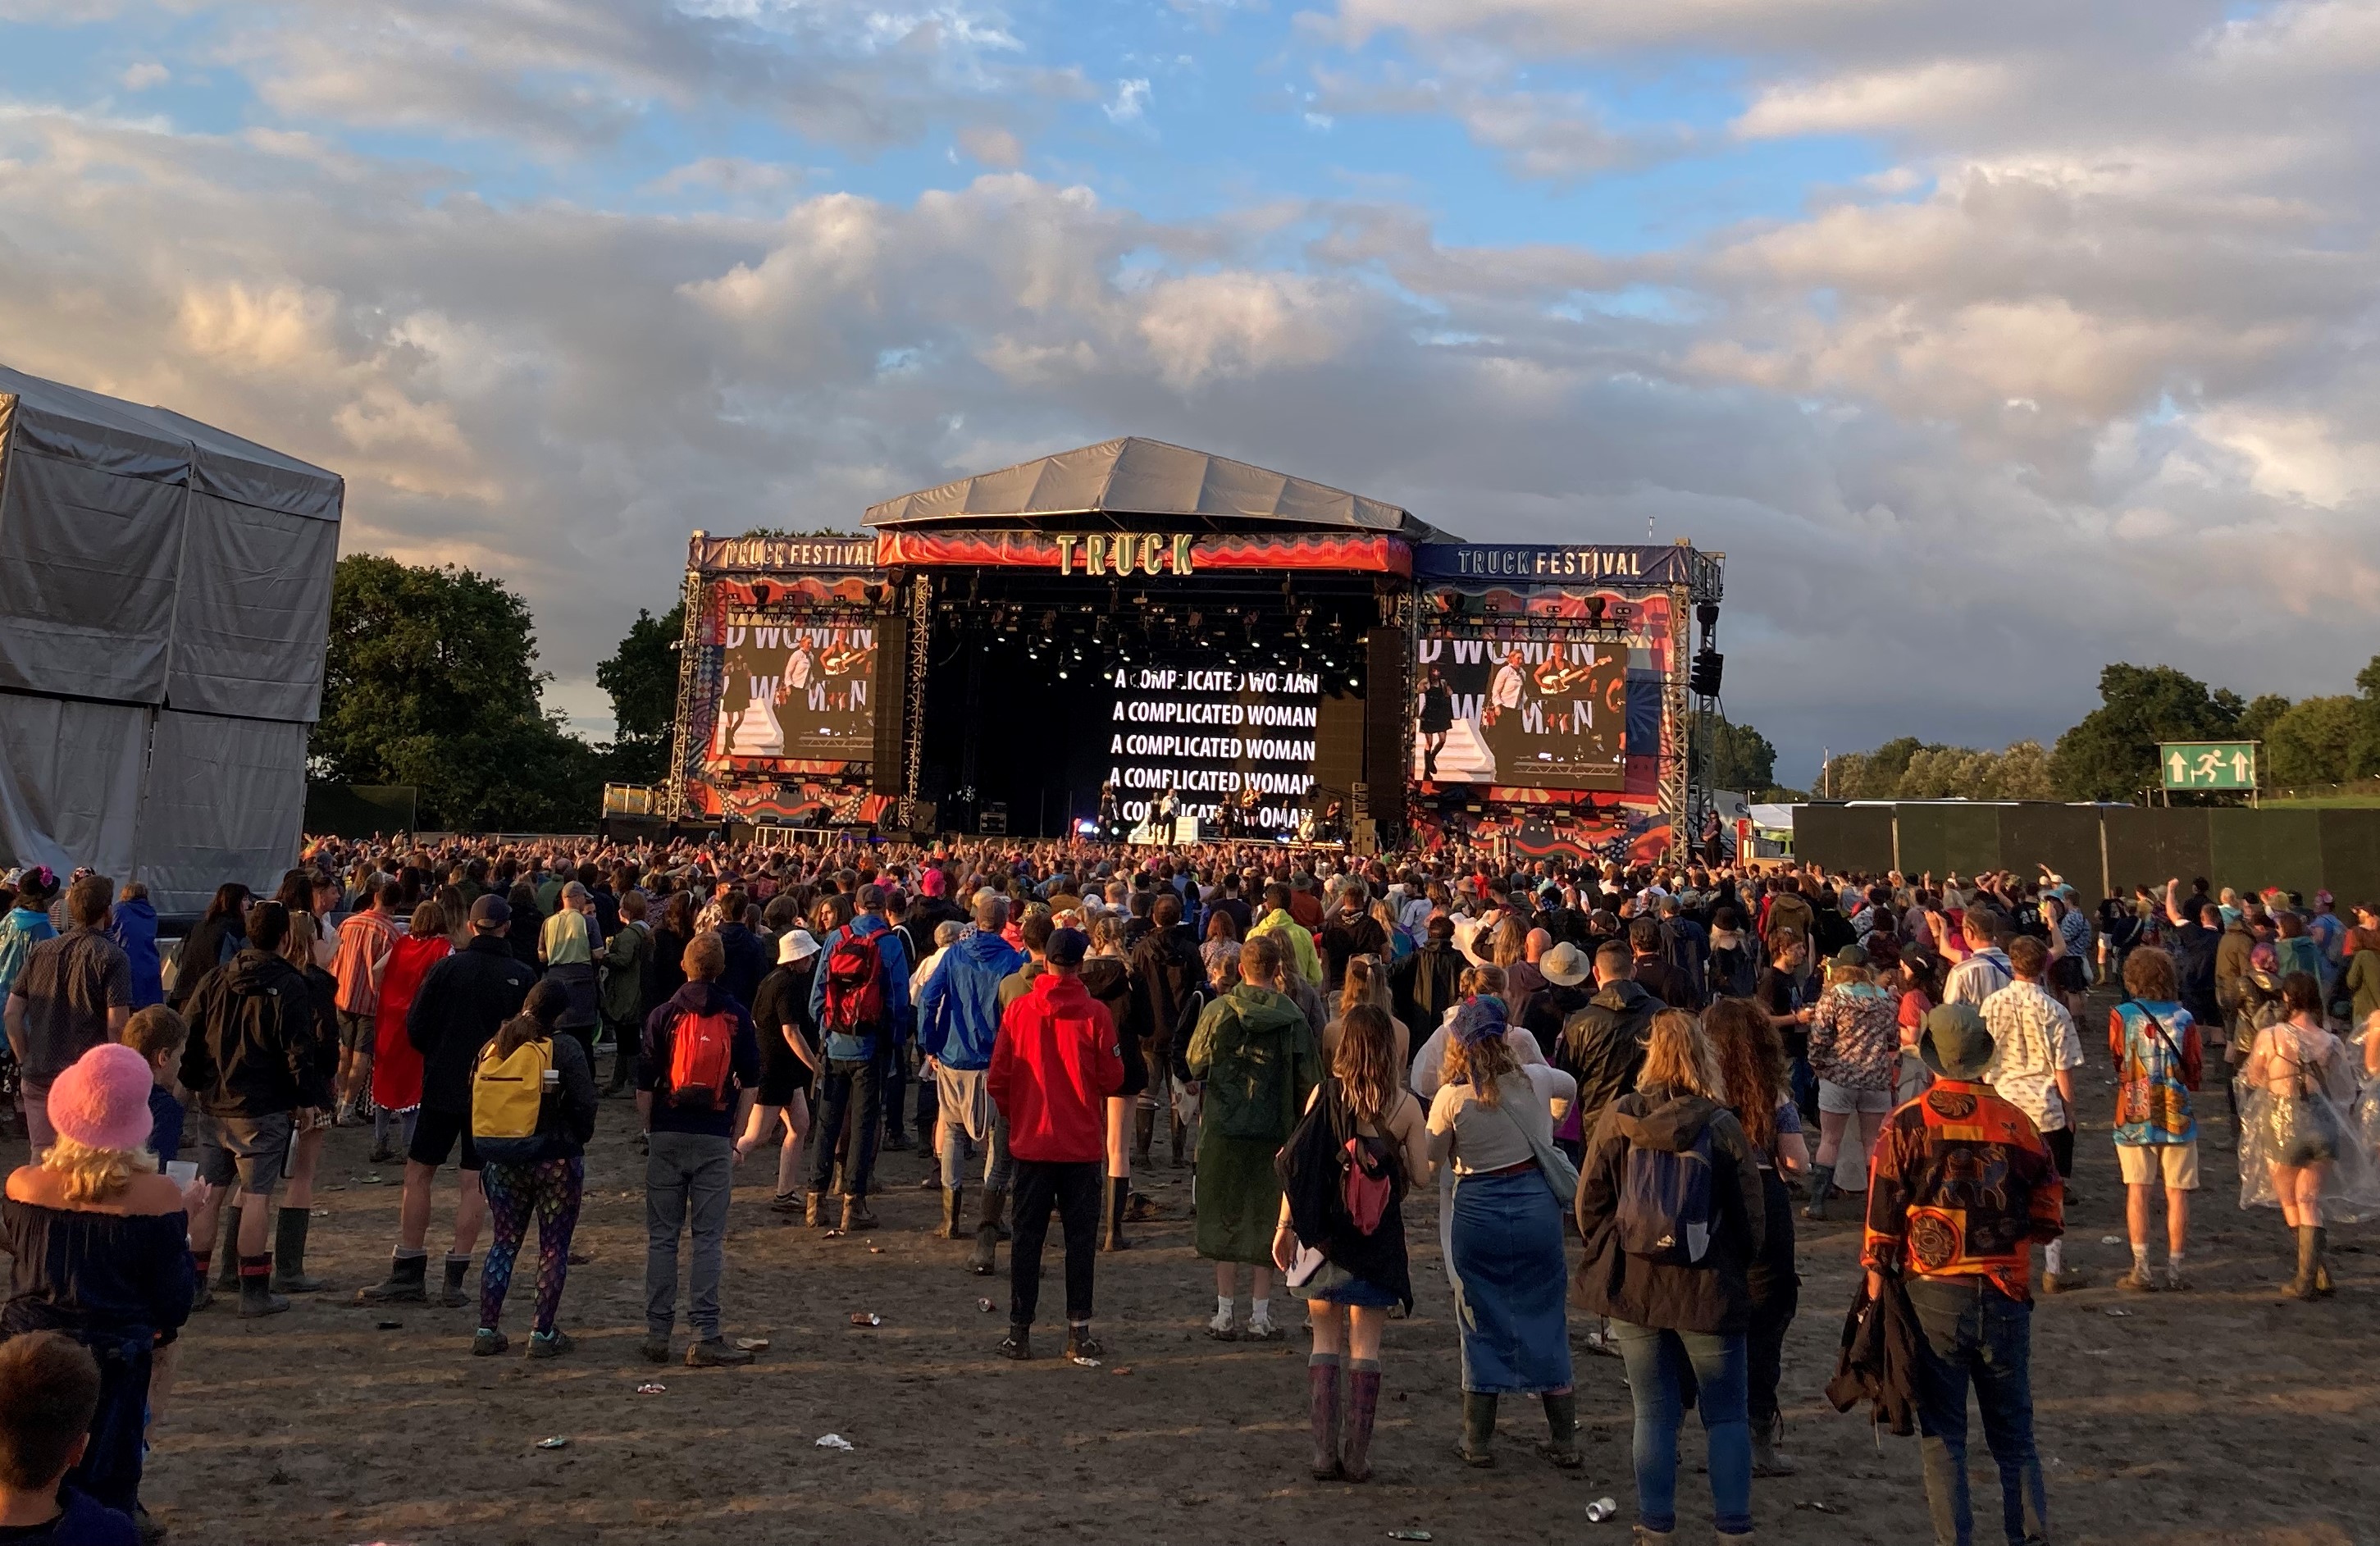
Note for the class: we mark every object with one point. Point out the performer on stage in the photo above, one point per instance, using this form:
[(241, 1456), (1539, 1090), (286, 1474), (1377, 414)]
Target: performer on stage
[(1437, 719), (1111, 816), (735, 702), (1166, 821), (1250, 800), (1501, 724)]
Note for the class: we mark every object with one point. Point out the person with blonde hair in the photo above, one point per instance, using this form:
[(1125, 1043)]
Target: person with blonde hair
[(1377, 1125), (1366, 982), (1673, 1214), (98, 1244), (1492, 1123), (1855, 1052)]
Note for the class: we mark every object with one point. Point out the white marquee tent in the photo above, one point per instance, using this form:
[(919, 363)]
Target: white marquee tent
[(165, 601)]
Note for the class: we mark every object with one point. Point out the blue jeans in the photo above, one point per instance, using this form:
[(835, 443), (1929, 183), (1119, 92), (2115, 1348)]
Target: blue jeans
[(1658, 1363), (1804, 1082), (1975, 1334), (689, 1179), (849, 1089)]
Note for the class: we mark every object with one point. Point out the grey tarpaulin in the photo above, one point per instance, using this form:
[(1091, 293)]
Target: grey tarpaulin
[(224, 800), (70, 782), (1138, 477), (165, 590), (146, 558)]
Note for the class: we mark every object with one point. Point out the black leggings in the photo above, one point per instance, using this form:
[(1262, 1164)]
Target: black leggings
[(1074, 1188), (1776, 1295)]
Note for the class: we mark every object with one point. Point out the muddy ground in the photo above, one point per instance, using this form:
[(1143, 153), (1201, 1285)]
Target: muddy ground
[(2225, 1415)]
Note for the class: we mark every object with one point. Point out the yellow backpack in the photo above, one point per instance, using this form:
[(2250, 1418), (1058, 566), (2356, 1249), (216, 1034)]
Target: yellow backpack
[(507, 1093)]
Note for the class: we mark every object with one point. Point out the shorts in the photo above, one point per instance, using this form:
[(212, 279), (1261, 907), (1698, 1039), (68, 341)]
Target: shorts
[(357, 1033), (2060, 1143), (1841, 1100), (435, 1133), (783, 1076), (964, 1097), (2144, 1164), (2066, 975), (249, 1150)]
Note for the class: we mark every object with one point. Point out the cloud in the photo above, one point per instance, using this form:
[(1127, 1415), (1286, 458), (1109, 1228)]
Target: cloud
[(1890, 99), (992, 146), (1131, 100), (577, 77), (734, 176), (2092, 351), (141, 77)]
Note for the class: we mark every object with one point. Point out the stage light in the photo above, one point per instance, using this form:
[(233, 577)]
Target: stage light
[(1595, 612)]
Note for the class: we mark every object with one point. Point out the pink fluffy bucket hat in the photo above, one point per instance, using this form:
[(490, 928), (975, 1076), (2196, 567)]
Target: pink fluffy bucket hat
[(102, 1101)]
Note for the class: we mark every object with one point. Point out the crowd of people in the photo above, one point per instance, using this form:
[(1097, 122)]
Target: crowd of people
[(1610, 1079)]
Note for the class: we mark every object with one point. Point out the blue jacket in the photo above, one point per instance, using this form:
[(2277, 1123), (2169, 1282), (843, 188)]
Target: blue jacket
[(896, 975), (135, 932), (958, 1014)]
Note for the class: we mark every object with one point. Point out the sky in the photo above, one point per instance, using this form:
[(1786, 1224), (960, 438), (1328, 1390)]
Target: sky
[(1989, 343)]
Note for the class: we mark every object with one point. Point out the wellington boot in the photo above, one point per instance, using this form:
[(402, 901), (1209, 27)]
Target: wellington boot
[(1559, 1447), (1144, 1129), (289, 1253), (987, 1236), (403, 1285), (2323, 1287), (1363, 1402), (452, 1294), (2302, 1286), (954, 1199), (1477, 1445), (814, 1211), (1181, 1135), (855, 1214), (1322, 1413), (256, 1295), (227, 1250)]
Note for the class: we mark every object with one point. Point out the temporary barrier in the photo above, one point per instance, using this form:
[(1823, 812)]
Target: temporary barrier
[(2102, 848)]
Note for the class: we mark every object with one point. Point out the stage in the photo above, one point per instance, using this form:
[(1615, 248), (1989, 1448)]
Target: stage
[(1134, 621)]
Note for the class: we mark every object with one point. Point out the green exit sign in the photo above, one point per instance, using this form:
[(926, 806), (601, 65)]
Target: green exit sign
[(2216, 765)]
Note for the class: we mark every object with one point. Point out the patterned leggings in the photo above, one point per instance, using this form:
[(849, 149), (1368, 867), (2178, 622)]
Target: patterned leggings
[(548, 1189)]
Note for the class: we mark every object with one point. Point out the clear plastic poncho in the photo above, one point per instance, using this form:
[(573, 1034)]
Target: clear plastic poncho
[(2312, 1120)]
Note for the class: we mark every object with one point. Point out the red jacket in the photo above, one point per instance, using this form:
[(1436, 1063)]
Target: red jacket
[(1053, 1066)]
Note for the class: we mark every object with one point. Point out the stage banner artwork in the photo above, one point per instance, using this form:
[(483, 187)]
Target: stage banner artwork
[(1500, 708), (1215, 734), (796, 691)]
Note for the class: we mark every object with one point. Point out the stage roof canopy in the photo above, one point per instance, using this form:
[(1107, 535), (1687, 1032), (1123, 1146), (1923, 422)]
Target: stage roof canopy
[(1135, 477)]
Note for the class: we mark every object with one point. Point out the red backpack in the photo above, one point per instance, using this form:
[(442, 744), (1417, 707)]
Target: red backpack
[(703, 1059), (855, 985)]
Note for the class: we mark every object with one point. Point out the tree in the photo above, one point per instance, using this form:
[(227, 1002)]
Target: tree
[(2257, 719), (1908, 769), (2363, 756), (2314, 742), (431, 680), (641, 677), (2111, 754), (1740, 757)]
